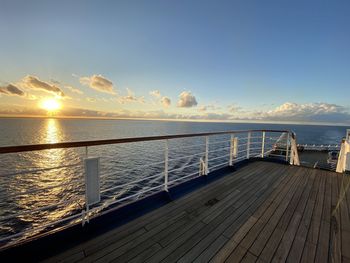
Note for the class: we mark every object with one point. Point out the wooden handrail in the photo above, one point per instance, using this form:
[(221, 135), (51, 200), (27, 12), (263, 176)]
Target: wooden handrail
[(39, 147)]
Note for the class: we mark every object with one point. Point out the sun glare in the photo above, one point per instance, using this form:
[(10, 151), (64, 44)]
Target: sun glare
[(50, 105)]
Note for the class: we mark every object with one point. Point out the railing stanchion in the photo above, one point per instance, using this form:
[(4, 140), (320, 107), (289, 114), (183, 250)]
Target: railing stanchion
[(231, 150), (248, 145), (287, 146), (166, 166), (86, 152), (263, 144), (206, 155)]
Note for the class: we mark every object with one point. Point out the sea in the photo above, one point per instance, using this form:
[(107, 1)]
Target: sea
[(41, 187)]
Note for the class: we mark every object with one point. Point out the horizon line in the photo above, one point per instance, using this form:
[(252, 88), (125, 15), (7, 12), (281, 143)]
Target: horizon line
[(175, 120)]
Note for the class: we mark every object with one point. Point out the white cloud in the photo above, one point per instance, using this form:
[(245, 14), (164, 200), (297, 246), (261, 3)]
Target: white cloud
[(209, 107), (155, 93), (33, 82), (99, 83), (166, 102), (74, 90), (131, 97), (186, 100), (308, 111)]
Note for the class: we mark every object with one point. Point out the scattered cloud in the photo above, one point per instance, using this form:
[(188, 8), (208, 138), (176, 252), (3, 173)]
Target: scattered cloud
[(155, 93), (163, 100), (166, 102), (74, 90), (12, 90), (209, 107), (131, 97), (233, 108), (186, 100), (33, 82), (99, 83)]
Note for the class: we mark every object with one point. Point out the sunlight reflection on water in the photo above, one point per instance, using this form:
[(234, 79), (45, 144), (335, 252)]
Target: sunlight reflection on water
[(27, 192)]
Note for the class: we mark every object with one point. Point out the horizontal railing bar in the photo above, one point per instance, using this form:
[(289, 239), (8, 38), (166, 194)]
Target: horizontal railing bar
[(184, 157), (217, 165), (132, 169), (39, 147), (109, 203), (180, 147), (225, 141), (197, 163), (220, 150), (220, 157), (130, 183), (181, 178), (277, 155)]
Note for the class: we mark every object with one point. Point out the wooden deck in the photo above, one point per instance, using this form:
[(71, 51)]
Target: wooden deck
[(263, 212)]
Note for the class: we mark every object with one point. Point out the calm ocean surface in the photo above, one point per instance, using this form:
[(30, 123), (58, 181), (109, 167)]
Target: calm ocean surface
[(26, 184)]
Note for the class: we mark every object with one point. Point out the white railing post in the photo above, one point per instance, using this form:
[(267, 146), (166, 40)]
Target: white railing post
[(248, 145), (166, 165), (287, 146), (263, 144), (206, 155), (231, 150)]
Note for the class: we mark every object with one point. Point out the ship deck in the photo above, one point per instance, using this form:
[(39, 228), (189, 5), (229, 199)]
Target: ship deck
[(262, 212)]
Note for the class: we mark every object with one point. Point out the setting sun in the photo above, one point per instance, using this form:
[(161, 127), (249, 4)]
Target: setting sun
[(50, 105)]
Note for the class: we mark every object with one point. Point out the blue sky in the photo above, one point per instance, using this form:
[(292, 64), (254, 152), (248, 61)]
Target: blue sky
[(234, 59)]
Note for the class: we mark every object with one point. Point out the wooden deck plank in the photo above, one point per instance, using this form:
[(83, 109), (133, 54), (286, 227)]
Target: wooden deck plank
[(172, 208), (258, 236), (344, 183), (335, 233), (264, 212), (174, 214), (269, 238), (309, 251), (290, 232), (252, 221), (322, 251), (242, 210), (298, 245), (220, 222)]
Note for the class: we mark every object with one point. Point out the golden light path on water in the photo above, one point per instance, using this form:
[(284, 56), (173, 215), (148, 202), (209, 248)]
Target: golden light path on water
[(50, 187)]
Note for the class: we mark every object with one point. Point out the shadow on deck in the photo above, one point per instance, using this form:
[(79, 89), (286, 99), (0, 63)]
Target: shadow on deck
[(262, 212)]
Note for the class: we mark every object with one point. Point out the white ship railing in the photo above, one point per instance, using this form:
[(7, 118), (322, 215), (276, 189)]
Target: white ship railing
[(214, 151)]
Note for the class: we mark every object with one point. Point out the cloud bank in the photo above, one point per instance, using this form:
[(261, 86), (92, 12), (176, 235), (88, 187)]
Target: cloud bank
[(33, 82), (12, 90), (99, 83), (287, 112)]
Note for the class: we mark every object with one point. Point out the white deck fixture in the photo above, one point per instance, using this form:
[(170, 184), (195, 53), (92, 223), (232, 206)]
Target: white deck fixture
[(294, 156), (92, 180), (343, 163)]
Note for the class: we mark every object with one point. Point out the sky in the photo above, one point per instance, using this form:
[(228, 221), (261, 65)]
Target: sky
[(198, 60)]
